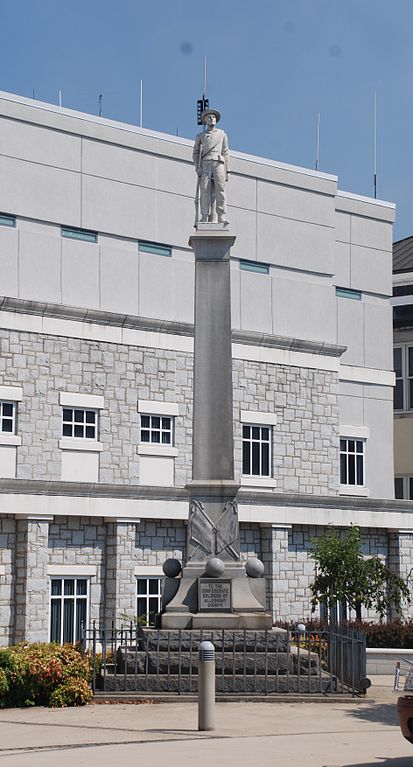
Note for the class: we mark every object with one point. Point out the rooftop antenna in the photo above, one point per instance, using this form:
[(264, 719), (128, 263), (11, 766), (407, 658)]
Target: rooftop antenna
[(60, 98), (141, 105), (317, 151), (33, 94), (375, 144), (100, 104), (203, 103)]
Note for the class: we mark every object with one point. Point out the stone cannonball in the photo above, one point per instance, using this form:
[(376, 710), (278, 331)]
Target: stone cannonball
[(172, 567), (254, 568), (214, 567)]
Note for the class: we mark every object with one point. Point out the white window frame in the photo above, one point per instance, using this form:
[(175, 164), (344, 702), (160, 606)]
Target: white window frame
[(84, 424), (161, 410), (407, 480), (356, 434), (8, 418), (261, 443), (10, 395), (86, 402), (150, 575), (76, 597), (153, 429), (405, 378)]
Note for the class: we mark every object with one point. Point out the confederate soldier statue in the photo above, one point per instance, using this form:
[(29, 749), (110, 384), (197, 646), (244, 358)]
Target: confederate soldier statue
[(211, 160)]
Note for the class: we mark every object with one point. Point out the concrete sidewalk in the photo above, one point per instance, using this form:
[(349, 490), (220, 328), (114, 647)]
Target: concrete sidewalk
[(296, 734)]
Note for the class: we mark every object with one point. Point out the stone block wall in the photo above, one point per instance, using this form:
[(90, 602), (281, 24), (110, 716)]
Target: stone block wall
[(7, 578), (156, 540)]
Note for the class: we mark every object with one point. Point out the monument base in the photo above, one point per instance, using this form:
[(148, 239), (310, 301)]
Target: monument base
[(230, 621)]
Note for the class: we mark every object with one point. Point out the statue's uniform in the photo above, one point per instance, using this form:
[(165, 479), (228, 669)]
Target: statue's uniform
[(211, 158)]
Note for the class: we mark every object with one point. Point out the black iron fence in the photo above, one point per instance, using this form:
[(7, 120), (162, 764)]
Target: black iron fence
[(325, 661)]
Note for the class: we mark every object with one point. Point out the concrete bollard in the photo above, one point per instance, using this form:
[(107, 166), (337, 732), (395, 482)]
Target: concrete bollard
[(206, 686)]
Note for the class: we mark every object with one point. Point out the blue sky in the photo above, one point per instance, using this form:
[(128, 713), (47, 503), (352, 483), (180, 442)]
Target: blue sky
[(272, 65)]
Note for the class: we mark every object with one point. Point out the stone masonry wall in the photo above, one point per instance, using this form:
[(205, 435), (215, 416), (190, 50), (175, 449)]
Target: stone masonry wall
[(7, 578), (156, 540)]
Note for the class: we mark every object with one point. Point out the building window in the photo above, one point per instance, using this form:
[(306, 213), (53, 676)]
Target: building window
[(355, 295), (352, 461), (157, 429), (155, 248), (148, 601), (79, 422), (403, 488), (7, 220), (68, 609), (254, 266), (78, 234), (403, 368), (8, 417), (256, 450)]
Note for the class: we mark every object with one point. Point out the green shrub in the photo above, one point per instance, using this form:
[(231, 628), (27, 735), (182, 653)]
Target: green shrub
[(30, 674), (394, 634)]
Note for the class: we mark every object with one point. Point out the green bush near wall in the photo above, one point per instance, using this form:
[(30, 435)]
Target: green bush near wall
[(44, 675), (393, 635)]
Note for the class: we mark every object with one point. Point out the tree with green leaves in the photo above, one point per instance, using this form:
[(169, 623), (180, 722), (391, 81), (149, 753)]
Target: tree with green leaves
[(344, 576)]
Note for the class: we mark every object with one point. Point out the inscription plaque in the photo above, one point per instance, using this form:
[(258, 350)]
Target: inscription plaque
[(214, 595)]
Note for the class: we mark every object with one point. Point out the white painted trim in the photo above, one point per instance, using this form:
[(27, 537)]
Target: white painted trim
[(149, 570), (355, 432), (284, 357), (367, 375), (2, 569), (80, 443), (10, 439), (402, 300), (153, 407), (355, 490), (14, 393), (262, 483), (80, 399), (75, 570), (148, 448), (253, 416), (370, 200)]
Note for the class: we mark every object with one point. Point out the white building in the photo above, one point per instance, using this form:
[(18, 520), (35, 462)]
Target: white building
[(96, 368)]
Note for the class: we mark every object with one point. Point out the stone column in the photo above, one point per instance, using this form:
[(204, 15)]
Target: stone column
[(7, 578), (400, 559), (31, 623), (120, 583), (274, 549)]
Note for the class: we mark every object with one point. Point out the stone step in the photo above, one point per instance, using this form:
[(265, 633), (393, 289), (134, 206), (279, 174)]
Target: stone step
[(230, 684), (248, 641)]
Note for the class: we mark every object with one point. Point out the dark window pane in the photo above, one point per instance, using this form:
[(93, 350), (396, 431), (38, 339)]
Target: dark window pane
[(397, 362), (55, 618), (141, 605), (360, 470), (141, 585), (68, 618), (265, 458), (398, 487), (166, 438), (153, 586), (8, 409), (144, 435), (80, 618), (67, 415), (265, 434), (351, 470), (156, 436), (79, 416), (246, 432), (359, 446), (90, 416), (69, 586), (156, 422), (255, 458), (81, 586), (343, 445), (410, 353), (90, 432), (410, 488), (255, 432), (343, 470), (78, 430), (411, 394), (56, 587), (166, 423), (67, 430), (7, 425), (398, 394), (351, 446), (145, 421), (153, 609), (246, 466)]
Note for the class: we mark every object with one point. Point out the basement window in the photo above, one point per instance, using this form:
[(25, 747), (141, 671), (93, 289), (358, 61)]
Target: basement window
[(79, 234)]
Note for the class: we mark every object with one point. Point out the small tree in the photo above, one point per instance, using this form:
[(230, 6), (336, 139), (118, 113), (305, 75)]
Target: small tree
[(344, 576)]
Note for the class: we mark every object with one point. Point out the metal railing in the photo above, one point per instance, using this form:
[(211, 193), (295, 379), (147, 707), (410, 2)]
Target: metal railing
[(325, 661)]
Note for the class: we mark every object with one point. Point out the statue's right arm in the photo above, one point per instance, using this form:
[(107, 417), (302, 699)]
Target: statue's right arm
[(196, 153)]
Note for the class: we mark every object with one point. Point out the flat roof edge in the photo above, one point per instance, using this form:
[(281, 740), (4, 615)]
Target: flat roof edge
[(362, 198)]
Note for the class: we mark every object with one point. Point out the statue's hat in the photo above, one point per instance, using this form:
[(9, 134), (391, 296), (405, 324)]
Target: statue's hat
[(207, 112)]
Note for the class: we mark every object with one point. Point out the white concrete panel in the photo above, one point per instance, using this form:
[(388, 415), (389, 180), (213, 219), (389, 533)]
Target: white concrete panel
[(371, 233), (243, 223), (175, 176), (304, 310), (343, 226), (155, 286), (40, 267), (80, 466), (119, 279), (80, 274), (110, 206), (295, 204), (118, 163), (39, 144), (378, 416), (350, 389), (175, 217), (343, 265), (374, 391), (8, 261), (295, 245), (351, 410), (183, 277), (256, 309), (371, 270), (350, 333), (242, 191), (7, 461), (156, 470), (378, 335), (39, 191)]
